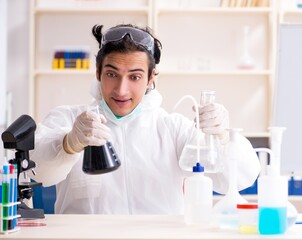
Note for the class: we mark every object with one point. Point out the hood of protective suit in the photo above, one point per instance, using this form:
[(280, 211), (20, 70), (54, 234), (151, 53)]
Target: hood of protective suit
[(150, 101)]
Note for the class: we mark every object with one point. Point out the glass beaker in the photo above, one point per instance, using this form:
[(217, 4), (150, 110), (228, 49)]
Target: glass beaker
[(212, 143), (207, 150)]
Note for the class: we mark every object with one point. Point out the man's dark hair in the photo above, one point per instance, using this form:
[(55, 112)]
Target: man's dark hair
[(125, 45)]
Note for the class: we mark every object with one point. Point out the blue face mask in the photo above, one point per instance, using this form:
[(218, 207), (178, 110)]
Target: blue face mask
[(108, 112)]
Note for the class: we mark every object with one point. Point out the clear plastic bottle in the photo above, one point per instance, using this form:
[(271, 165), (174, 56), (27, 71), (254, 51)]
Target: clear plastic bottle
[(198, 196), (208, 150)]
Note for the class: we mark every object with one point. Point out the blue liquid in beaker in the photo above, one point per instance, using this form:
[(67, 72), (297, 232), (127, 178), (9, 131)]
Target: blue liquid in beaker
[(272, 220)]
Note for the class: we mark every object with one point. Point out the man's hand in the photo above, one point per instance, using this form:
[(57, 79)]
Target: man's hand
[(214, 119), (88, 129)]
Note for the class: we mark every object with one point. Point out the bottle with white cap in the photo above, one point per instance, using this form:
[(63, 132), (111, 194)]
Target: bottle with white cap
[(198, 196)]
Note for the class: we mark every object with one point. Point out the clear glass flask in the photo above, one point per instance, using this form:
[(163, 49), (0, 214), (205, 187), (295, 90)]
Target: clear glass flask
[(207, 150)]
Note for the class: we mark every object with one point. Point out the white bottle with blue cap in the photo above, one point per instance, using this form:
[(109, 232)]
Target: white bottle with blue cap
[(198, 196)]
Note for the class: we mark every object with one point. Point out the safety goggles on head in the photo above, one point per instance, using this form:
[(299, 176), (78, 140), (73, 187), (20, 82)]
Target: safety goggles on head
[(138, 36)]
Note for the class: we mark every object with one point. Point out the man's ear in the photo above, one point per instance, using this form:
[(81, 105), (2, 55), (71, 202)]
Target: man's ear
[(150, 84), (97, 74), (151, 80)]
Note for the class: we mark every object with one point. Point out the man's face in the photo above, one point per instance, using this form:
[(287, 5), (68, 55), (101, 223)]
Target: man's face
[(124, 80)]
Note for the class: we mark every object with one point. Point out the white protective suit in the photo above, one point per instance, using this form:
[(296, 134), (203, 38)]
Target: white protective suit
[(149, 142)]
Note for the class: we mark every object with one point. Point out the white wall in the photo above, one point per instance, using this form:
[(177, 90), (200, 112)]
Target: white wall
[(18, 50), (3, 55), (14, 21)]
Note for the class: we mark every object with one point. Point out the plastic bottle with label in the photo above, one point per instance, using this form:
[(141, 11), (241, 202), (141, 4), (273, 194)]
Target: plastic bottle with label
[(198, 196)]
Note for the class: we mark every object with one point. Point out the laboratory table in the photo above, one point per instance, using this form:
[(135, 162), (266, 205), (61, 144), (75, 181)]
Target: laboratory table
[(131, 227)]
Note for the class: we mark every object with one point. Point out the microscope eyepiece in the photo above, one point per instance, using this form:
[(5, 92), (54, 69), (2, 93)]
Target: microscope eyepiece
[(20, 134)]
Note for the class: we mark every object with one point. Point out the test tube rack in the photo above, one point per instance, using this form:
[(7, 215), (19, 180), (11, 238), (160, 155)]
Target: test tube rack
[(8, 224), (8, 199)]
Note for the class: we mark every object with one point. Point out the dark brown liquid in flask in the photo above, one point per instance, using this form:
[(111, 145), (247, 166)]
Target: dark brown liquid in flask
[(100, 159)]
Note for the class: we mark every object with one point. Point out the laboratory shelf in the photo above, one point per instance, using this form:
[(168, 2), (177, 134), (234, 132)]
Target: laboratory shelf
[(64, 72), (231, 11), (83, 9), (291, 16), (218, 73), (292, 11)]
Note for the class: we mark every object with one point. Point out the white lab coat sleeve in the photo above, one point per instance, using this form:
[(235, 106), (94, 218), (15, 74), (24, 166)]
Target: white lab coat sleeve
[(247, 172), (53, 163)]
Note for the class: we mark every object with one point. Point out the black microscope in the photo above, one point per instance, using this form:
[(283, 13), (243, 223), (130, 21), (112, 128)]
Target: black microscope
[(20, 135)]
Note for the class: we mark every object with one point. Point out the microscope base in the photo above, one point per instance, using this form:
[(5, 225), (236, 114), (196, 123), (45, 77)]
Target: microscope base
[(27, 212)]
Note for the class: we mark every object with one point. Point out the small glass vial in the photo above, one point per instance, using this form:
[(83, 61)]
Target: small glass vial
[(248, 218)]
